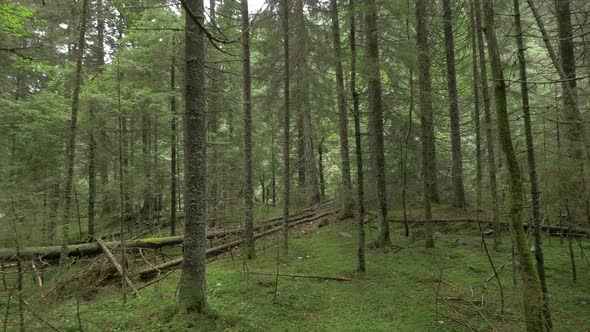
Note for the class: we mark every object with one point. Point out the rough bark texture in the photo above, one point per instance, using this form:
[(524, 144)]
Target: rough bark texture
[(347, 202), (457, 155), (534, 181), (214, 78), (71, 147), (192, 294), (321, 169), (286, 121), (488, 124), (376, 120), (247, 118), (425, 113), (532, 293), (357, 137)]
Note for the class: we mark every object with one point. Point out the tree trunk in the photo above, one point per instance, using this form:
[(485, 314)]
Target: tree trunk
[(303, 107), (173, 142), (71, 149), (321, 169), (358, 143), (376, 121), (347, 202), (488, 124), (457, 155), (535, 194), (476, 107), (247, 104), (214, 78), (425, 84), (532, 293), (192, 293), (286, 120)]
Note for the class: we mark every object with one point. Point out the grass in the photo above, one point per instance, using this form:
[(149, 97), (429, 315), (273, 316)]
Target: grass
[(399, 292)]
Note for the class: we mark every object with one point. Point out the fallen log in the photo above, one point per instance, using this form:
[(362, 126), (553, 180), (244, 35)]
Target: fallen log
[(91, 249), (117, 266), (306, 276), (151, 272), (547, 228)]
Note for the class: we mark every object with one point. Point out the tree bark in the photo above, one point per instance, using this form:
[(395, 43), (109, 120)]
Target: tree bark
[(488, 124), (454, 113), (173, 143), (71, 148), (535, 194), (425, 84), (192, 294), (286, 120), (247, 105), (361, 267), (532, 293), (376, 121), (321, 168), (476, 107), (347, 202)]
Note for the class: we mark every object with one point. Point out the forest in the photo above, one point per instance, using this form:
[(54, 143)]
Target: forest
[(294, 165)]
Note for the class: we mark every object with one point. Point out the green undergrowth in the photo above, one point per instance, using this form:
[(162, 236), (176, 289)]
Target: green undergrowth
[(406, 288)]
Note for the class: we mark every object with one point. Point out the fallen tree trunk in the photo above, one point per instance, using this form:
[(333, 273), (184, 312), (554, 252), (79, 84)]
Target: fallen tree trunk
[(91, 249), (151, 272), (117, 266), (547, 228)]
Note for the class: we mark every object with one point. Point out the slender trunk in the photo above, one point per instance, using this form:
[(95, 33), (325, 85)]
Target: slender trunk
[(304, 108), (425, 84), (488, 124), (476, 107), (358, 143), (173, 142), (247, 104), (274, 178), (532, 293), (376, 121), (192, 293), (213, 109), (71, 150), (286, 119), (457, 155), (347, 202), (535, 194), (321, 168)]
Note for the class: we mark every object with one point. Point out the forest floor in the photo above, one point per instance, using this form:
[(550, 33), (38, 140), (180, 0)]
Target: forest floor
[(406, 288)]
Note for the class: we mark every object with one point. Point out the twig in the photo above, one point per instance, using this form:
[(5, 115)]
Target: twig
[(302, 276)]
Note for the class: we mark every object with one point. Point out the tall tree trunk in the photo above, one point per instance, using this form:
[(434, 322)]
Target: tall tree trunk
[(425, 84), (213, 110), (71, 149), (357, 137), (404, 152), (376, 121), (535, 194), (192, 294), (532, 293), (347, 202), (273, 166), (457, 155), (476, 107), (488, 124), (173, 143), (247, 104), (286, 120), (304, 108)]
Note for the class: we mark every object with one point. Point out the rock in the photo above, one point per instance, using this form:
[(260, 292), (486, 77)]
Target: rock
[(345, 235), (488, 232), (459, 241), (437, 235), (321, 223)]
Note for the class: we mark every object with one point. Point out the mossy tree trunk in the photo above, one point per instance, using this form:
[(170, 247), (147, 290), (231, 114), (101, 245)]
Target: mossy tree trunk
[(376, 120), (535, 194), (284, 4), (192, 293), (425, 94), (532, 293)]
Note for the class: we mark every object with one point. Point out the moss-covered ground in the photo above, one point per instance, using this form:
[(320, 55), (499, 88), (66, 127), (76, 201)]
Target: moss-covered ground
[(406, 288)]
